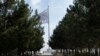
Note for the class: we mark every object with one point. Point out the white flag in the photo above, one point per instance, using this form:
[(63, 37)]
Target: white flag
[(44, 16)]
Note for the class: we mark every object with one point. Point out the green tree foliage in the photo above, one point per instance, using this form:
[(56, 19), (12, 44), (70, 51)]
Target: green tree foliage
[(36, 41), (79, 29), (19, 30)]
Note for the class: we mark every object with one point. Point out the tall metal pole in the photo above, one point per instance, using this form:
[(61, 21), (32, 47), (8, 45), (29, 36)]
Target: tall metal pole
[(48, 24), (49, 49)]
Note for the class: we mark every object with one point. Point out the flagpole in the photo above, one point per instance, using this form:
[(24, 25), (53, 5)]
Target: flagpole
[(48, 24), (48, 29)]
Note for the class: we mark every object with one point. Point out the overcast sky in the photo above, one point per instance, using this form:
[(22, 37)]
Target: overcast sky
[(57, 10)]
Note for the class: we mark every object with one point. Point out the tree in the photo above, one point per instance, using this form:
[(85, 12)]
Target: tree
[(36, 41), (18, 27), (79, 29)]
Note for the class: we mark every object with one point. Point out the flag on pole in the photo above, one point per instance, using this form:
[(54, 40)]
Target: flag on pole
[(44, 16)]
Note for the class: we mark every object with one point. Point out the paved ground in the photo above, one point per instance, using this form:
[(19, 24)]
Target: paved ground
[(45, 55)]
